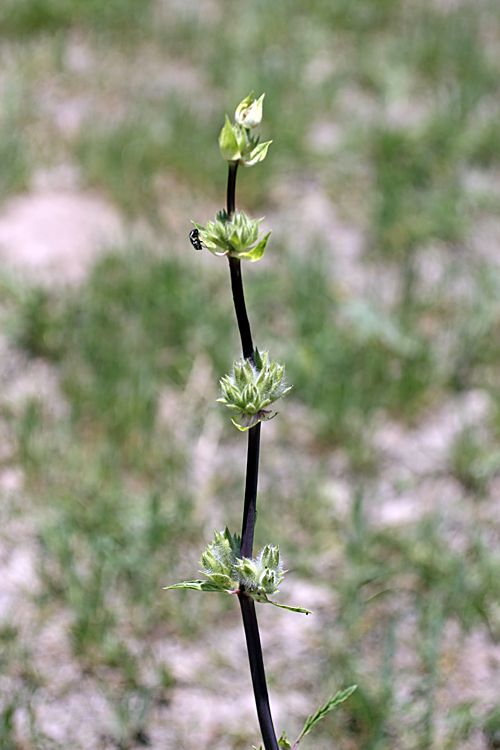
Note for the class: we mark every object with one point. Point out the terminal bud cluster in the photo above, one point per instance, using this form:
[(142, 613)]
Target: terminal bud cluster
[(236, 142)]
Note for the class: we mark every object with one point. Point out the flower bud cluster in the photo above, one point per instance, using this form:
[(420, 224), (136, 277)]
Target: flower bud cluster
[(221, 564), (251, 388), (237, 238), (235, 140), (219, 560), (264, 574)]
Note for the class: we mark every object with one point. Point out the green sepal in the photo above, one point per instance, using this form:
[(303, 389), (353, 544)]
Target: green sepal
[(256, 155), (244, 103), (232, 139)]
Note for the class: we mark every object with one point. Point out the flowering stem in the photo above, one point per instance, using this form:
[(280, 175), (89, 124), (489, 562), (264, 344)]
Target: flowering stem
[(247, 604)]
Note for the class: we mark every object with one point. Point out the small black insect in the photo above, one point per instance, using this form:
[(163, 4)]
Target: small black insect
[(195, 239)]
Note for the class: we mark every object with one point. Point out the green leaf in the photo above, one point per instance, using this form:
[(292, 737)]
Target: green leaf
[(332, 703), (262, 599), (197, 586)]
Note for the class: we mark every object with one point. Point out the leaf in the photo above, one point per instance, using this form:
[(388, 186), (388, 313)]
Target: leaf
[(197, 585), (262, 599), (332, 703)]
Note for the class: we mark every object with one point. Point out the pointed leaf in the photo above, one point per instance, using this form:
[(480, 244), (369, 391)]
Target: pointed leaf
[(332, 703), (262, 599), (197, 585)]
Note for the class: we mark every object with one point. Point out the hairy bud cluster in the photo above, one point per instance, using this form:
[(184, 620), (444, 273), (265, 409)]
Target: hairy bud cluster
[(221, 564), (227, 573), (236, 238), (251, 388), (219, 559), (264, 574)]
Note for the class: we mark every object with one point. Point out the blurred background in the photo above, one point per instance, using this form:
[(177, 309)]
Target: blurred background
[(380, 290)]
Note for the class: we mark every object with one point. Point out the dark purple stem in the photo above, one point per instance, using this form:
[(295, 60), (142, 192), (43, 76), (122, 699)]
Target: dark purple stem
[(231, 189), (235, 270), (240, 308), (254, 648), (250, 506), (247, 604)]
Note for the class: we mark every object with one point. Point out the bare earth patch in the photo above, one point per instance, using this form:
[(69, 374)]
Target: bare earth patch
[(54, 236)]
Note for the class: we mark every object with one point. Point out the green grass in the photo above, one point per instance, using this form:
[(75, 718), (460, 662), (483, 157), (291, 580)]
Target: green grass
[(141, 320), (14, 150), (351, 359), (28, 17), (129, 158)]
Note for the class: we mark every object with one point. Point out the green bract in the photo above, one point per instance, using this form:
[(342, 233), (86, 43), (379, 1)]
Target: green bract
[(227, 573), (237, 238), (235, 142), (232, 141), (251, 388)]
